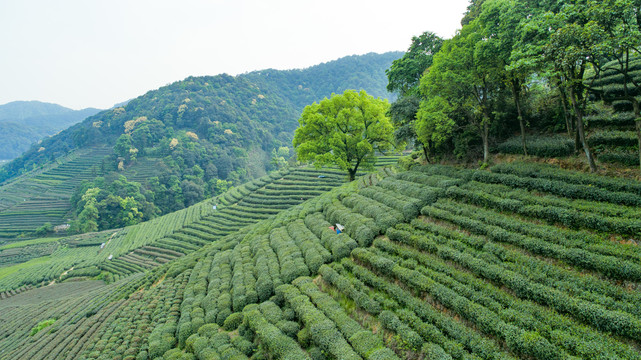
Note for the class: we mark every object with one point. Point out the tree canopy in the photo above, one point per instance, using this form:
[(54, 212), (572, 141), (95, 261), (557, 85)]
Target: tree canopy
[(403, 77), (344, 130), (405, 73), (517, 65)]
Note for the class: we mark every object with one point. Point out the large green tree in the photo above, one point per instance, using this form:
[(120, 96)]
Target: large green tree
[(405, 73), (403, 78), (565, 36), (499, 22), (88, 218), (344, 130), (467, 74)]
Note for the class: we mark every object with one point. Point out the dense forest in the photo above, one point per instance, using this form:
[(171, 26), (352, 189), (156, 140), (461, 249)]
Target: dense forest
[(518, 72), (192, 139), (23, 123)]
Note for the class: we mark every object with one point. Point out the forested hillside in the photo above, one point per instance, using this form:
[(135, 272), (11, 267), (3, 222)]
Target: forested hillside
[(177, 145), (23, 123)]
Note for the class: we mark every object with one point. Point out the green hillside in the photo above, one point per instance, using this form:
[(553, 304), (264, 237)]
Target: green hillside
[(197, 234), (522, 261), (150, 244), (176, 146), (42, 196), (23, 123)]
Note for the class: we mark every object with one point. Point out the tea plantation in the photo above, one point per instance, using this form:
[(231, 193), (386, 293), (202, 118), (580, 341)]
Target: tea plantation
[(42, 196), (521, 261)]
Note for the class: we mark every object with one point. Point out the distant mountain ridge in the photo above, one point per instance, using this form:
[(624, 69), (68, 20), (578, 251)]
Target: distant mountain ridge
[(23, 123), (181, 143), (20, 110)]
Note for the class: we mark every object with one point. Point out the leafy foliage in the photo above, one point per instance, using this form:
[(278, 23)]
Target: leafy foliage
[(344, 130)]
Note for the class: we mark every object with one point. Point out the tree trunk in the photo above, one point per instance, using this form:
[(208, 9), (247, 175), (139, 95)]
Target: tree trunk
[(485, 134), (638, 123), (577, 139), (352, 173), (564, 104), (427, 159), (637, 118), (516, 90), (580, 131), (586, 148), (569, 120)]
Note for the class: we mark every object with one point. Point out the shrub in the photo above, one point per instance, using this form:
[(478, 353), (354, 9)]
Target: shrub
[(233, 321), (278, 344), (383, 354), (624, 158), (161, 340), (438, 181), (41, 325), (433, 351), (425, 194), (384, 216), (304, 337), (569, 217), (607, 265), (361, 299), (289, 328), (316, 353), (271, 312), (323, 330), (542, 146), (340, 245), (613, 138), (359, 227), (208, 330), (408, 336), (407, 206), (243, 345), (561, 188), (290, 258), (606, 120), (314, 253)]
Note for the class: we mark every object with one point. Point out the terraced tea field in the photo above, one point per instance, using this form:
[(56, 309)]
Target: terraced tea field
[(238, 208), (31, 200), (521, 261), (143, 169)]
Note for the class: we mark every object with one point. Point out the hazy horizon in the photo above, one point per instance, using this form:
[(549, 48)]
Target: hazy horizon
[(92, 54)]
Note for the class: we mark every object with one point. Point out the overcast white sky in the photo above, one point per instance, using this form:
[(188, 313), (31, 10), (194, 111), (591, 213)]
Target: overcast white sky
[(89, 53)]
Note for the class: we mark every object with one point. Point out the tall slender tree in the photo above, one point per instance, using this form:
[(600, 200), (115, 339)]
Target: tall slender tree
[(467, 74), (403, 78), (564, 36)]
